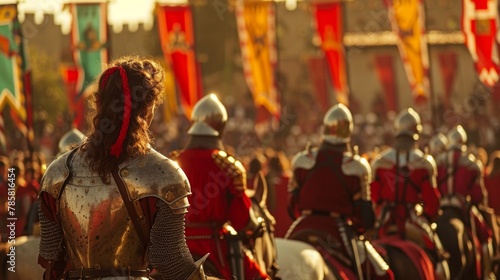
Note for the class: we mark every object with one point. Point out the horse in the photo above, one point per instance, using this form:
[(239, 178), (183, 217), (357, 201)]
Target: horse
[(457, 241), (405, 259)]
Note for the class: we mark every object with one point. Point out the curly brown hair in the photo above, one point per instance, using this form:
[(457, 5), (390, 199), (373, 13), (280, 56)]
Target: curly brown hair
[(146, 83)]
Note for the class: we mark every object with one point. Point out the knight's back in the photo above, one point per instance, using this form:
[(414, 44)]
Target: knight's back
[(97, 228)]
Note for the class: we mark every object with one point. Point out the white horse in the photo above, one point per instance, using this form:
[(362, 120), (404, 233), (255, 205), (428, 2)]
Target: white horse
[(300, 261)]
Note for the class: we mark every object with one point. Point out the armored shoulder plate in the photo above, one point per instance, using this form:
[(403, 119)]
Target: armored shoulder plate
[(419, 160), (354, 165), (470, 162), (233, 167), (154, 175), (387, 160), (305, 159), (55, 175)]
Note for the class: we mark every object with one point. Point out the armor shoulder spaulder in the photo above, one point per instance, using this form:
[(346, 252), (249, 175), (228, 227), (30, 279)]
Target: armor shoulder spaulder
[(154, 175), (471, 162), (233, 167), (305, 159), (387, 159), (419, 160), (354, 165), (55, 175)]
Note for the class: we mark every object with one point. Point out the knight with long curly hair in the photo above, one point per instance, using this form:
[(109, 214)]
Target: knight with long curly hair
[(113, 206)]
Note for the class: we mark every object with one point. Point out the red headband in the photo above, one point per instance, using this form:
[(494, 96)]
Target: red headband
[(116, 148)]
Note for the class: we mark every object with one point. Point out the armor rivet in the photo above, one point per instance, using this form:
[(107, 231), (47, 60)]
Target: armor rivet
[(79, 182), (133, 195), (93, 181), (97, 266), (170, 196), (124, 173), (86, 190)]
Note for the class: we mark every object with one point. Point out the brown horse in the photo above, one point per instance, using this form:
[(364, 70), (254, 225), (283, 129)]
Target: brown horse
[(456, 240)]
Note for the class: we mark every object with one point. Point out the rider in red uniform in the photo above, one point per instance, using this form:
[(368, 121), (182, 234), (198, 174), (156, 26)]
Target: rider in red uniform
[(330, 199), (460, 181), (405, 180), (219, 204)]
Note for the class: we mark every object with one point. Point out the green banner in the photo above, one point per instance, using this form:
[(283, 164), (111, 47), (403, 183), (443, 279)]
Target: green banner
[(11, 61), (89, 39)]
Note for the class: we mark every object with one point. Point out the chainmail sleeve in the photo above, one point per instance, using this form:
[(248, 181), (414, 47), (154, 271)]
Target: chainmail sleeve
[(168, 251), (51, 236)]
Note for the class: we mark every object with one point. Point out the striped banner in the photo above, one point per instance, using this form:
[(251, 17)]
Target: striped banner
[(175, 24), (257, 35), (480, 26), (408, 23), (89, 41), (11, 61)]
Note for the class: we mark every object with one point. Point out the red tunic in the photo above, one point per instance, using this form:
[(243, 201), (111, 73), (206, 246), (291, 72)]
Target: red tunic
[(465, 179), (326, 192), (323, 191), (215, 201), (278, 186), (400, 189), (492, 183)]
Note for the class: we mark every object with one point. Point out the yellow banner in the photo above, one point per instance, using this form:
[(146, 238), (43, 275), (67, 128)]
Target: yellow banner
[(407, 19), (257, 37)]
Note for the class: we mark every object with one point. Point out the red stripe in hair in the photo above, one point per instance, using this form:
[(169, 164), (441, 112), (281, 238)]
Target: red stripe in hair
[(116, 148)]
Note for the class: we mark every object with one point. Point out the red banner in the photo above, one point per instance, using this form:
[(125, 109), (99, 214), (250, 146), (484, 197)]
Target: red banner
[(317, 74), (177, 40), (480, 26), (448, 66), (329, 24), (69, 75), (385, 71)]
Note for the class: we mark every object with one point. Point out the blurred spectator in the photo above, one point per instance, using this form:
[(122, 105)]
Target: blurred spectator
[(4, 163), (492, 181), (277, 179), (26, 195)]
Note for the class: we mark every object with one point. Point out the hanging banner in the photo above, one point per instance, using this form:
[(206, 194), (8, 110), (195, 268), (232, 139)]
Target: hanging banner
[(11, 61), (329, 23), (385, 70), (480, 25), (69, 75), (89, 41), (257, 35), (448, 66), (177, 41), (408, 23)]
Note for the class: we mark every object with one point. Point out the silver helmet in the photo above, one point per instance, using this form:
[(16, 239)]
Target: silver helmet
[(438, 144), (457, 137), (337, 125), (408, 123), (70, 138), (209, 117)]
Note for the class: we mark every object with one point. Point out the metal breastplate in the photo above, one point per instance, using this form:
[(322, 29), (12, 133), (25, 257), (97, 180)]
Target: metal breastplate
[(97, 229)]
